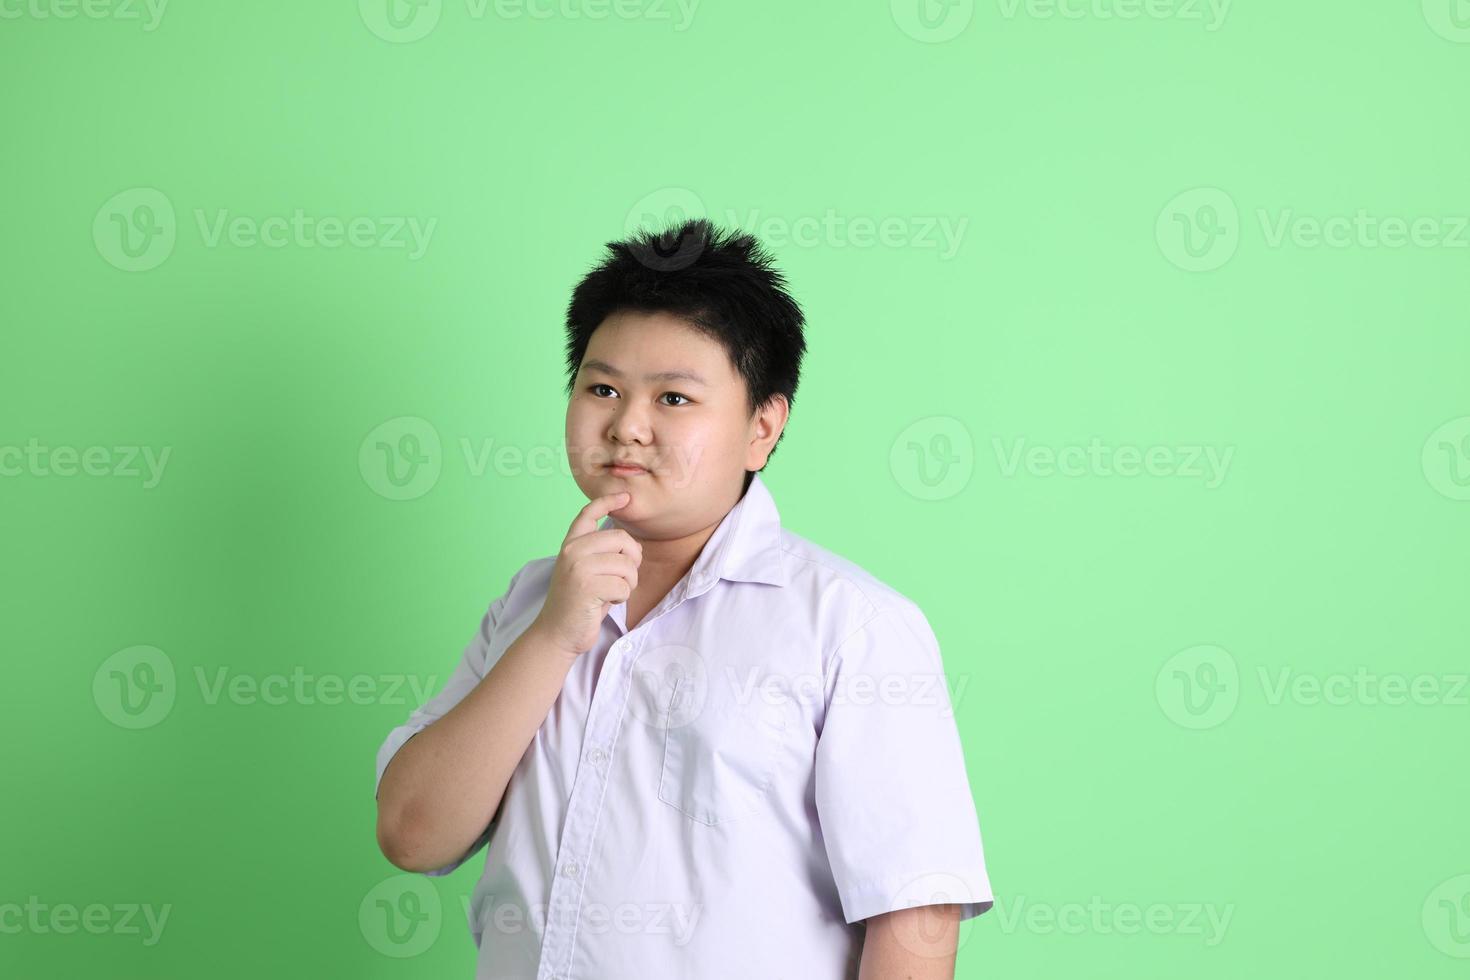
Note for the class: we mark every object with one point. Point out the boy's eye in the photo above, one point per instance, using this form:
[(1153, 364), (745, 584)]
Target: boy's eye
[(668, 394)]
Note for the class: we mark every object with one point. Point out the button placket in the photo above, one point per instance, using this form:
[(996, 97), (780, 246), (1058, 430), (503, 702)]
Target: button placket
[(590, 788), (584, 807)]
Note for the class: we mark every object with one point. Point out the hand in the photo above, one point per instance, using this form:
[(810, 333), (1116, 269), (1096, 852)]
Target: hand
[(594, 569)]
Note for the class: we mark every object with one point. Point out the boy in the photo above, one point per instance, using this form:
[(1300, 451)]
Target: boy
[(680, 735)]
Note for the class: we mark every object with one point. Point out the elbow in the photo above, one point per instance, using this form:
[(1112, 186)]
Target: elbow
[(391, 842), (399, 845), (408, 844), (403, 854)]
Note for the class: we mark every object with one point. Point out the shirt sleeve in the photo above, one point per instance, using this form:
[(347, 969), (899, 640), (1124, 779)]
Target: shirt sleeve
[(892, 793), (473, 665)]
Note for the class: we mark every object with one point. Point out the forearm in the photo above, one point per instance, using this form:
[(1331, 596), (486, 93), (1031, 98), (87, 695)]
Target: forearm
[(443, 785)]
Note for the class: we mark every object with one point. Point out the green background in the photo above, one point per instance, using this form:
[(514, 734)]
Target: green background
[(1120, 183)]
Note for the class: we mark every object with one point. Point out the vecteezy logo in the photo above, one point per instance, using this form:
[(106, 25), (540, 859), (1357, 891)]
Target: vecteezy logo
[(934, 888), (1199, 229), (135, 229), (1198, 687), (663, 212), (671, 686), (933, 458), (1447, 917), (402, 458), (1450, 19), (932, 21), (400, 21), (1446, 459), (135, 688), (401, 916)]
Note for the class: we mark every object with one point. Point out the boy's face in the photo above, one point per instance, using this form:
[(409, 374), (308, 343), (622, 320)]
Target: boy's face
[(693, 434)]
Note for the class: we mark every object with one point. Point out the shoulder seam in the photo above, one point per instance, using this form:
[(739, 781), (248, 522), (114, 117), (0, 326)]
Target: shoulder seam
[(832, 657), (842, 574)]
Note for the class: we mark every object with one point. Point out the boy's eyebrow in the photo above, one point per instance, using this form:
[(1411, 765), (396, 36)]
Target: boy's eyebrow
[(682, 374)]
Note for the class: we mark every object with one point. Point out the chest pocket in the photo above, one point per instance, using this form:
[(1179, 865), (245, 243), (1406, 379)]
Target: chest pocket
[(720, 744)]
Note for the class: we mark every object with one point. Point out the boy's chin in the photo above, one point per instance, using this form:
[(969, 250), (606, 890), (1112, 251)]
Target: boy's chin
[(602, 484)]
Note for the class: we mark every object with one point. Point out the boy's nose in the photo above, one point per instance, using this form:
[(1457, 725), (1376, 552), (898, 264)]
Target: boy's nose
[(627, 427)]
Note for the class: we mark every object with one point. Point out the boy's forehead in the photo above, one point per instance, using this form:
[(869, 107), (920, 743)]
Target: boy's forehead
[(661, 374), (670, 350)]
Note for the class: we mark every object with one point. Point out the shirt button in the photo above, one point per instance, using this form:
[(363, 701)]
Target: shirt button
[(571, 870), (597, 755)]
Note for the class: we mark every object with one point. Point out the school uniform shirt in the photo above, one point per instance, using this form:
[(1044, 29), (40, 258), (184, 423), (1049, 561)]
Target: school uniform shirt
[(732, 786)]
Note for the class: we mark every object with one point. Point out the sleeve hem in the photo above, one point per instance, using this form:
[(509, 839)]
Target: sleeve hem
[(894, 892)]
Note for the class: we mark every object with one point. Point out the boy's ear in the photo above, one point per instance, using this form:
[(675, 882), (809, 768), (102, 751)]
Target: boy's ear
[(766, 426)]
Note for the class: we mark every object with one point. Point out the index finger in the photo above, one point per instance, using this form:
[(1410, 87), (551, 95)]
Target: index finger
[(595, 510)]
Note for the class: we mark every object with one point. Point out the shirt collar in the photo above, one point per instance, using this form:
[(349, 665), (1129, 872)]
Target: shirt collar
[(745, 546)]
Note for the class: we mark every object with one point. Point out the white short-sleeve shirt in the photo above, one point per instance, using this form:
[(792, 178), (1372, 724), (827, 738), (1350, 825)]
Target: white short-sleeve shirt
[(731, 787)]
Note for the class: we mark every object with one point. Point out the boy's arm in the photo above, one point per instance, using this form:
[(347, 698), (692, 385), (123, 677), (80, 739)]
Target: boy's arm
[(444, 785), (911, 944), (440, 790)]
